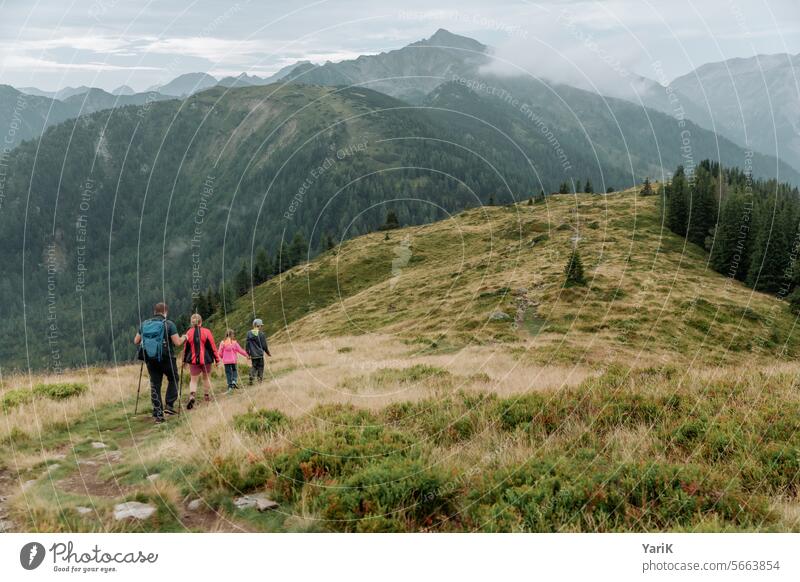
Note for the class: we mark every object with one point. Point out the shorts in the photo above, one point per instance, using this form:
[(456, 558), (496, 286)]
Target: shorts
[(197, 369)]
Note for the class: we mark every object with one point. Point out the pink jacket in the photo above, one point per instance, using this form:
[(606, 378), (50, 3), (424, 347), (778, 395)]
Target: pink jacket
[(228, 351)]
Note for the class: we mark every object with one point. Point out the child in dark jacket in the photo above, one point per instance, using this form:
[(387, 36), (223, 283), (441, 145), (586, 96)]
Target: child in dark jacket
[(229, 351), (256, 345)]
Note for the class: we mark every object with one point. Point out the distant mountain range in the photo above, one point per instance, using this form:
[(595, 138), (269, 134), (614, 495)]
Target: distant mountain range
[(754, 102)]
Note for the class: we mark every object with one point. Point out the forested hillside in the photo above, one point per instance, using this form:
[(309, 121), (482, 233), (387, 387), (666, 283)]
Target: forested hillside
[(111, 212)]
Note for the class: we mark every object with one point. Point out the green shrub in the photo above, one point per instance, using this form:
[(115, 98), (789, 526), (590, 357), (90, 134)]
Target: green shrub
[(60, 391), (560, 494), (538, 413), (16, 397), (262, 421), (397, 494)]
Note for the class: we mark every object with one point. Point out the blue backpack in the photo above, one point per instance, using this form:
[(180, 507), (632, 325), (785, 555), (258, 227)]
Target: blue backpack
[(154, 332)]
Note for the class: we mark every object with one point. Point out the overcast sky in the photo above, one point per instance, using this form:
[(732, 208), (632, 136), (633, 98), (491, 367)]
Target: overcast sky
[(51, 44)]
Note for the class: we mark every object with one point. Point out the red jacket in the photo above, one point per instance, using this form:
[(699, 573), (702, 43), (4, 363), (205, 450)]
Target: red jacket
[(200, 348)]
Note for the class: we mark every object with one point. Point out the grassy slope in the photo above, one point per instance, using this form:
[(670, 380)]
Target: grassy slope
[(650, 295), (613, 408)]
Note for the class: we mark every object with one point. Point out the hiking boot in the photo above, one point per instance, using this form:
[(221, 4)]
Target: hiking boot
[(170, 411), (190, 404), (206, 398), (229, 391), (158, 420)]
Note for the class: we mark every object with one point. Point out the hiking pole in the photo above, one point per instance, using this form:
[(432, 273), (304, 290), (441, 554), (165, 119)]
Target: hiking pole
[(139, 389), (180, 386)]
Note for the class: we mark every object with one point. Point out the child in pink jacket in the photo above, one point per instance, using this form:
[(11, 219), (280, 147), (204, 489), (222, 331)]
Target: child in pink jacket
[(229, 351)]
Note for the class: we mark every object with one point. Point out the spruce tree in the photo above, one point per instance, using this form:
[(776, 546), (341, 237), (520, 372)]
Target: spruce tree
[(298, 250), (703, 209), (563, 188), (391, 221), (262, 268), (574, 270), (647, 188), (729, 252), (588, 189), (241, 282), (677, 203)]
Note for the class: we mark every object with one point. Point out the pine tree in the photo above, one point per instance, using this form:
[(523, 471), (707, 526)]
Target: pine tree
[(241, 282), (578, 186), (647, 188), (676, 202), (283, 260), (563, 188), (574, 270), (729, 252), (588, 189), (770, 260), (391, 221), (298, 250), (262, 268), (609, 190), (530, 201), (703, 209)]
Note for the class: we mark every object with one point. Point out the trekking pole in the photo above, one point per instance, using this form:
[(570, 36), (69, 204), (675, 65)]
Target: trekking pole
[(180, 386), (139, 389)]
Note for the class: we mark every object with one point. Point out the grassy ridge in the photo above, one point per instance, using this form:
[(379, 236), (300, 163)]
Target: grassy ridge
[(650, 296)]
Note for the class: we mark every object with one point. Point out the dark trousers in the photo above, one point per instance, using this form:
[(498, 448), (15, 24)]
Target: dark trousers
[(157, 370), (256, 369), (231, 374)]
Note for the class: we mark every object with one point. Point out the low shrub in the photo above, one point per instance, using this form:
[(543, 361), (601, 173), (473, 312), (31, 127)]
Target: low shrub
[(394, 495), (16, 397), (264, 421), (60, 391)]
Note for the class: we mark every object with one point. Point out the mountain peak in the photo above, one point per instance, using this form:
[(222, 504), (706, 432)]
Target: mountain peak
[(445, 38)]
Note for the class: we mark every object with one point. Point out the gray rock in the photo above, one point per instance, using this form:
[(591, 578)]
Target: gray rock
[(114, 456), (154, 477), (6, 526), (260, 501), (194, 505), (53, 467), (83, 510), (133, 510), (499, 316), (99, 445), (265, 504), (87, 463)]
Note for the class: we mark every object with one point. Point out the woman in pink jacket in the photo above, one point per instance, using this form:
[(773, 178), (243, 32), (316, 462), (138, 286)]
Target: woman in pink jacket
[(229, 351)]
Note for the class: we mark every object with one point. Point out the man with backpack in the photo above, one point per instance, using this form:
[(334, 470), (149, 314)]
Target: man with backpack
[(256, 347), (156, 338)]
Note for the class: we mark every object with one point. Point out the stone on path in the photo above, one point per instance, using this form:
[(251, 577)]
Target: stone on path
[(194, 505), (99, 445), (83, 510), (154, 477), (265, 504), (134, 510), (260, 501)]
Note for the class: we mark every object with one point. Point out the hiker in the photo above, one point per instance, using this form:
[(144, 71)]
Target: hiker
[(256, 345), (157, 338), (229, 351), (200, 353)]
